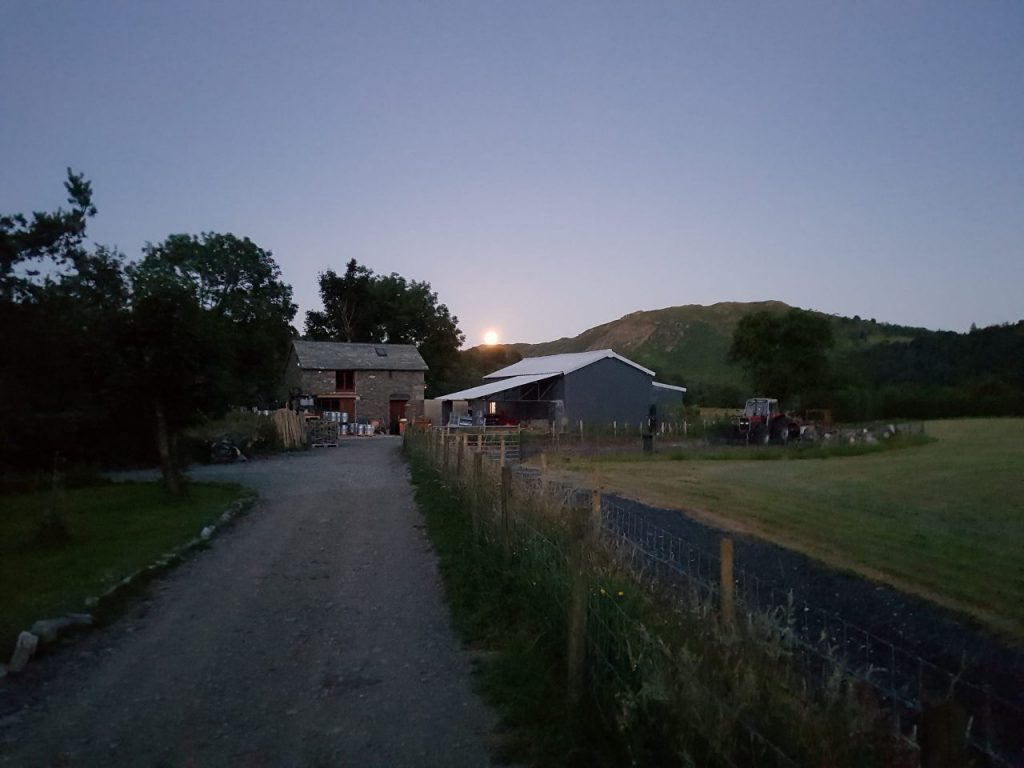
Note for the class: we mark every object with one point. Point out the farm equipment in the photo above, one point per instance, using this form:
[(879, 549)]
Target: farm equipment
[(763, 422)]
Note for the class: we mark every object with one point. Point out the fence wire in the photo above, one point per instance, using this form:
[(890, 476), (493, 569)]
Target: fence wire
[(822, 641), (903, 679)]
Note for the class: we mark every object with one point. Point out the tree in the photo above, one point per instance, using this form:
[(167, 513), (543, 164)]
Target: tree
[(349, 312), (61, 306), (99, 352), (786, 356), (239, 284), (53, 236), (361, 306), (210, 323)]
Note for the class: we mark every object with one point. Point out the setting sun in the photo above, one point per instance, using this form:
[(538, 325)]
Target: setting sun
[(491, 337)]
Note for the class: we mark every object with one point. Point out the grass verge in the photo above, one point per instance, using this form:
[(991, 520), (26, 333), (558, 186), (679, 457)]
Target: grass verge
[(58, 548), (520, 640)]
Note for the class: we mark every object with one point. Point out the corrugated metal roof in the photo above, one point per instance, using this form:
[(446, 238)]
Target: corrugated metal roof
[(561, 364), (494, 387), (659, 385), (336, 355)]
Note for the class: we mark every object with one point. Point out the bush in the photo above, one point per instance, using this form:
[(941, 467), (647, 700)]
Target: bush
[(254, 434)]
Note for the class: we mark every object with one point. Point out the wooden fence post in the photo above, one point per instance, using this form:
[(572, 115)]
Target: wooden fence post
[(943, 735), (501, 453), (585, 523), (459, 454), (478, 479), (506, 487), (726, 582), (445, 446)]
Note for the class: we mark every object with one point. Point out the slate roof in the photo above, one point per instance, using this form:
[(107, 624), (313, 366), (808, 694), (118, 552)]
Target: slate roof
[(336, 355), (561, 364)]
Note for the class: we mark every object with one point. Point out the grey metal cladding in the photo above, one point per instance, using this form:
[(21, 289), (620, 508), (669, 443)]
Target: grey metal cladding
[(606, 391), (336, 355)]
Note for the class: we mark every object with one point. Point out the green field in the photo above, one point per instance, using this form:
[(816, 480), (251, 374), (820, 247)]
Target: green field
[(108, 532), (943, 520)]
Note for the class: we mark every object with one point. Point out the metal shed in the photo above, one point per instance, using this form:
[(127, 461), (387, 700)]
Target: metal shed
[(596, 387)]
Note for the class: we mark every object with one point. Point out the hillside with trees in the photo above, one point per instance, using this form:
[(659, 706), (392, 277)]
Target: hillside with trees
[(872, 369)]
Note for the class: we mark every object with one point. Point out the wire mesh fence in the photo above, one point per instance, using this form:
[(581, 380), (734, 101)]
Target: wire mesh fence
[(903, 680), (526, 513)]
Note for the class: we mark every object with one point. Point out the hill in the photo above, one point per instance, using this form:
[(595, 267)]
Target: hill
[(879, 370), (689, 345)]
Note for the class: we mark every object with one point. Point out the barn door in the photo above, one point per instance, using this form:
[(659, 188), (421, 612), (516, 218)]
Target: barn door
[(396, 412)]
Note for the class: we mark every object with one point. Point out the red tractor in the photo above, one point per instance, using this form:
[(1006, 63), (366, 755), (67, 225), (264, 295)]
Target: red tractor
[(763, 422)]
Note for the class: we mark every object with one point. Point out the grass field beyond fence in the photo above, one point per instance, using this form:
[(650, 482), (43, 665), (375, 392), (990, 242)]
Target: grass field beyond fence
[(943, 520), (57, 549)]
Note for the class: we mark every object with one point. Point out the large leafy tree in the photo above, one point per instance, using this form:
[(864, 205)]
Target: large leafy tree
[(239, 285), (787, 355), (360, 306), (210, 324)]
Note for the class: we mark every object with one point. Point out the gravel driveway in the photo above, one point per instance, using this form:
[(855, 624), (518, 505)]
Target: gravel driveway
[(312, 633)]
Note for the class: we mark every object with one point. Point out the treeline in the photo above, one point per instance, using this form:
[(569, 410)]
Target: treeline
[(980, 373), (795, 357), (106, 361)]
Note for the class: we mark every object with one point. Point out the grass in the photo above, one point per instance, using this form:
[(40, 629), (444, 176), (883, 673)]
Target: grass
[(57, 549), (944, 520), (520, 639), (667, 683)]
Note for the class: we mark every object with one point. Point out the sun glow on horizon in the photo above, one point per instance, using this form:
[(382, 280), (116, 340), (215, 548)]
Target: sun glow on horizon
[(490, 337)]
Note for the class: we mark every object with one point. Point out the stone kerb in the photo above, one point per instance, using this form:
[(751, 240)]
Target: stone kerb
[(47, 631)]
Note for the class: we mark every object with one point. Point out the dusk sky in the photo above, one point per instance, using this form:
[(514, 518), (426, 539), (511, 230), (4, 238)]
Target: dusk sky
[(548, 166)]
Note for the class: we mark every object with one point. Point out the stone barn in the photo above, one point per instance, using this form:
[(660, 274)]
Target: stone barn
[(368, 382)]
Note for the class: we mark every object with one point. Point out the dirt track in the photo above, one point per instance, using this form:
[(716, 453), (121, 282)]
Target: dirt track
[(312, 633)]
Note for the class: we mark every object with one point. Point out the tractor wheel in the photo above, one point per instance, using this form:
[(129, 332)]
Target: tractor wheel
[(780, 431), (762, 436)]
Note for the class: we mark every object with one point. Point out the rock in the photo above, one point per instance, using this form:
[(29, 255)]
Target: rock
[(206, 533), (80, 619), (92, 602), (48, 630), (870, 439), (3, 671), (26, 646)]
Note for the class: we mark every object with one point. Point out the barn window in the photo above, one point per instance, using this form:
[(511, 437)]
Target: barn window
[(344, 381)]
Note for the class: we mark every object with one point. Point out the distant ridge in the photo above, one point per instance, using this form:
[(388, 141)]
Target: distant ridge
[(689, 344)]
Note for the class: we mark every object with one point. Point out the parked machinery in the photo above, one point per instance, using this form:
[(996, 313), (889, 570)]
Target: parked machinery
[(763, 422)]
